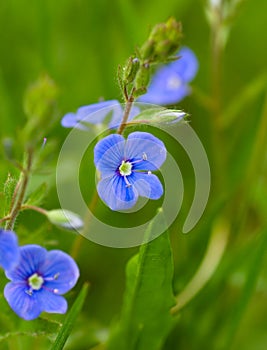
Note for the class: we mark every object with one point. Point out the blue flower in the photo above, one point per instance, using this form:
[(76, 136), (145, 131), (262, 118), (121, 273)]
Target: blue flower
[(9, 250), (125, 167), (96, 114), (38, 281), (169, 84)]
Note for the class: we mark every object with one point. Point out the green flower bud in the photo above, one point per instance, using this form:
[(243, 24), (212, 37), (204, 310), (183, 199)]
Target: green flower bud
[(65, 219), (130, 70), (142, 77)]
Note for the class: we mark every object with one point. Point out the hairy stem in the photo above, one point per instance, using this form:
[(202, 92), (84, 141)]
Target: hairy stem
[(21, 190), (126, 114), (33, 207)]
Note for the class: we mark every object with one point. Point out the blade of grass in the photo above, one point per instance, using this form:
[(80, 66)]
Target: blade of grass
[(70, 320)]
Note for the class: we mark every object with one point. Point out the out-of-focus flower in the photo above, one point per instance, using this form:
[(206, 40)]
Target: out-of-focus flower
[(125, 167), (169, 84), (9, 250), (38, 281), (97, 113)]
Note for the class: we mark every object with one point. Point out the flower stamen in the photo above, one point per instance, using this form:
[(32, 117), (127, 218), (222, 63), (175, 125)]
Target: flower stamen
[(127, 182), (35, 281), (125, 168)]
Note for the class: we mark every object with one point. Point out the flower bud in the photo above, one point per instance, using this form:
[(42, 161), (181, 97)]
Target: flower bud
[(131, 69), (142, 77), (65, 219)]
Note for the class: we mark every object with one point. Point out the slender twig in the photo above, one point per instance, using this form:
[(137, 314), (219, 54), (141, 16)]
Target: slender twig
[(126, 114), (33, 207), (5, 219), (21, 191)]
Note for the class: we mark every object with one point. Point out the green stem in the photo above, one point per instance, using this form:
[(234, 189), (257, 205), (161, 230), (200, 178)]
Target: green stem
[(126, 114), (33, 207), (21, 190), (4, 219)]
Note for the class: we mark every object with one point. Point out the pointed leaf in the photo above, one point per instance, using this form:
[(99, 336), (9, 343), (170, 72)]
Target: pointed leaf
[(70, 320), (146, 320)]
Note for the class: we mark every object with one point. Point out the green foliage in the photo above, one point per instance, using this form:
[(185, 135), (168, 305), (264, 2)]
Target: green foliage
[(80, 53), (146, 319), (7, 194), (37, 196), (70, 320)]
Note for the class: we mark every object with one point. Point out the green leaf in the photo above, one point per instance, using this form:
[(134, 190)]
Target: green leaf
[(70, 320), (37, 196), (146, 320), (158, 115)]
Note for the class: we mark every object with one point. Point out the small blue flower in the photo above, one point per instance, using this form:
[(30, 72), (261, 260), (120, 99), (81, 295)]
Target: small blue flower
[(125, 167), (9, 250), (169, 84), (96, 114), (38, 281)]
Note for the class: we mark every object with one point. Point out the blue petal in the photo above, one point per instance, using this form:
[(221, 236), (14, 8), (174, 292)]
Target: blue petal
[(59, 271), (147, 185), (166, 88), (31, 258), (114, 192), (186, 66), (97, 112), (24, 305), (50, 302), (169, 83), (29, 306), (9, 250), (108, 154), (142, 143), (70, 120)]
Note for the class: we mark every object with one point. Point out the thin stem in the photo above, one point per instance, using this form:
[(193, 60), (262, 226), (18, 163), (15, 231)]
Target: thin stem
[(4, 219), (33, 207), (210, 262), (17, 203), (126, 114)]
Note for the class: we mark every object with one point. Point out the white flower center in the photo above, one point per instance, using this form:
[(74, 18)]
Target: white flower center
[(174, 83), (125, 168), (35, 281)]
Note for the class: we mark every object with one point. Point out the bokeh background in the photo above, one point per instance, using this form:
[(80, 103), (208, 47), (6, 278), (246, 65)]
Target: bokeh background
[(79, 44)]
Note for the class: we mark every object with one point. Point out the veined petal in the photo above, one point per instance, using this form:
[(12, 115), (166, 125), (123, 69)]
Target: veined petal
[(144, 145), (60, 270), (97, 112), (31, 258), (50, 302), (114, 192), (108, 154), (9, 250), (147, 185), (186, 66), (24, 305)]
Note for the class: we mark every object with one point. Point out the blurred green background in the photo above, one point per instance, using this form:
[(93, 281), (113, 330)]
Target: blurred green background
[(79, 44)]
